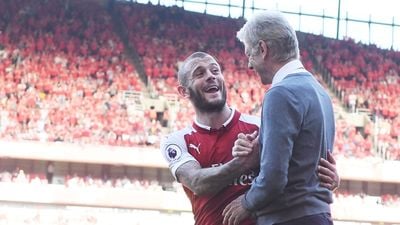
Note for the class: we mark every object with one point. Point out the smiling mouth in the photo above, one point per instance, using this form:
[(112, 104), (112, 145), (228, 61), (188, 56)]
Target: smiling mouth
[(212, 89)]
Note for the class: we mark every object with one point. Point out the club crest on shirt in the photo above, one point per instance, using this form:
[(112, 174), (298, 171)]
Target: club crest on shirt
[(173, 152)]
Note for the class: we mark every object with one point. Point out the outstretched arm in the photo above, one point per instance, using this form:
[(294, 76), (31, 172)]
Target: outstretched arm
[(203, 181)]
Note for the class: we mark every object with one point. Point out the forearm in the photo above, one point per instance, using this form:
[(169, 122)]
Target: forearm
[(272, 178), (264, 190), (206, 181)]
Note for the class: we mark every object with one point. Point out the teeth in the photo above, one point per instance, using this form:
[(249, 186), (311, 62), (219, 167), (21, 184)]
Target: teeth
[(212, 88)]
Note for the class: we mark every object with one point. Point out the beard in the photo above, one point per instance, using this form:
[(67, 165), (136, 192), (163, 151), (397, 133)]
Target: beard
[(203, 105)]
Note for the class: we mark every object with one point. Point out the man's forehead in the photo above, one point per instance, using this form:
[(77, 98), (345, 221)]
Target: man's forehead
[(193, 64), (247, 49)]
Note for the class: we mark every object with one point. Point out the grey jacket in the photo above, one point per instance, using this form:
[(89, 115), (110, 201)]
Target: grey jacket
[(297, 128)]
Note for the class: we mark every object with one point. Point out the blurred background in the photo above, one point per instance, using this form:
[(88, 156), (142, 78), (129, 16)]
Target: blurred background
[(88, 88)]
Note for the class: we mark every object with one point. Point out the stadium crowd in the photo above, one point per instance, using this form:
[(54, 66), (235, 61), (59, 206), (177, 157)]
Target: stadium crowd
[(63, 74), (21, 177)]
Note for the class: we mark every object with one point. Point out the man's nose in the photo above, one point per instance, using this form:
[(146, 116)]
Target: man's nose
[(210, 75), (250, 65)]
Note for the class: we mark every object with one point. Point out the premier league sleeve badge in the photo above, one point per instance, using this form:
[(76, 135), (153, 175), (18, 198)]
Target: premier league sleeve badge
[(173, 152)]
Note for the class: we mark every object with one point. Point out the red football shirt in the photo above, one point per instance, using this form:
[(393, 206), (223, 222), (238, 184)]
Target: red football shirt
[(211, 148)]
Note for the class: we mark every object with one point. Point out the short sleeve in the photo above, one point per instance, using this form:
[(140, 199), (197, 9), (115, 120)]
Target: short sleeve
[(174, 149)]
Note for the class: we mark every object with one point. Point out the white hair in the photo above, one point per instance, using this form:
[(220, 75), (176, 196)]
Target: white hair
[(273, 28)]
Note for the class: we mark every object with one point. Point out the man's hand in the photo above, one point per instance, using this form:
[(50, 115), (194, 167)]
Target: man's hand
[(246, 150), (245, 144), (234, 213), (327, 173)]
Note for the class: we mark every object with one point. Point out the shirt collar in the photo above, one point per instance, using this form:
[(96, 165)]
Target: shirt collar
[(294, 66), (203, 126)]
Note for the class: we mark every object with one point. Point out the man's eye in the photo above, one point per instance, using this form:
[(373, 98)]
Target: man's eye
[(199, 74)]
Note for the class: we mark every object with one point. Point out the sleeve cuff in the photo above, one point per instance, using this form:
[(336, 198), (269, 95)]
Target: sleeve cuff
[(246, 204)]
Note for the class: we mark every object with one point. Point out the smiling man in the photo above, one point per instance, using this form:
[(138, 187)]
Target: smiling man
[(200, 155)]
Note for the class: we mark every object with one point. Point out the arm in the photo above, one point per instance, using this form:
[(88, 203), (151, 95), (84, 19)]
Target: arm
[(206, 181), (327, 173), (234, 212), (202, 181)]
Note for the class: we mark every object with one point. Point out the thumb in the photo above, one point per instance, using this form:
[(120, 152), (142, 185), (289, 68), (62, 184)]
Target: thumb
[(330, 158), (256, 139), (252, 136)]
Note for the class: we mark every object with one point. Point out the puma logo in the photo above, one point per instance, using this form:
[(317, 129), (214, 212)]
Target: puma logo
[(197, 148)]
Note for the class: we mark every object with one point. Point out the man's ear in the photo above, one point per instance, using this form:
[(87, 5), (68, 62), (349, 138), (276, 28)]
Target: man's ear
[(263, 48), (183, 91)]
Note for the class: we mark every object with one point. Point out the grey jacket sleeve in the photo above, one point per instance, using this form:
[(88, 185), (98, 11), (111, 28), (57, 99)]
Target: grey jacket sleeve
[(280, 124)]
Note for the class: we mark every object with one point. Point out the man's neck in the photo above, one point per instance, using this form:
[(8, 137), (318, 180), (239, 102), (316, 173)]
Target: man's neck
[(278, 65), (214, 120)]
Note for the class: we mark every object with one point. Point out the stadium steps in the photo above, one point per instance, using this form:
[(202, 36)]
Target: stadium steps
[(130, 51)]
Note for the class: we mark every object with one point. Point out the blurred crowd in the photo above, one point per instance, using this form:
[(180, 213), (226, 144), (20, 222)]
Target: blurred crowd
[(64, 74)]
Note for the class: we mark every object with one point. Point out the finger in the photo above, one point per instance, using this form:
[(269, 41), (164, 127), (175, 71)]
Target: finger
[(324, 178), (255, 142), (236, 220), (327, 182), (239, 154), (243, 143), (330, 186), (328, 169), (241, 148), (325, 174), (231, 220), (226, 219), (335, 177), (240, 151), (242, 136), (252, 136), (229, 216), (226, 209), (331, 159), (225, 214), (325, 185), (326, 164)]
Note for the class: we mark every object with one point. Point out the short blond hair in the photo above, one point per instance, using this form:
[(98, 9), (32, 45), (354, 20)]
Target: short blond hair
[(185, 69)]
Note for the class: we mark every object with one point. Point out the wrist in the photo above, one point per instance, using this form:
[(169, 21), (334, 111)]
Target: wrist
[(238, 166)]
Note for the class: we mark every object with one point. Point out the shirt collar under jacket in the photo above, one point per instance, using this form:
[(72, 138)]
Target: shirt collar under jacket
[(223, 125), (294, 66)]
